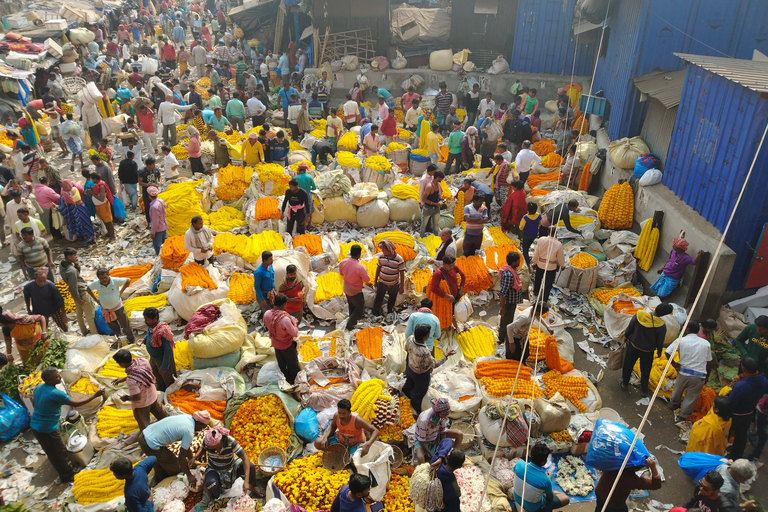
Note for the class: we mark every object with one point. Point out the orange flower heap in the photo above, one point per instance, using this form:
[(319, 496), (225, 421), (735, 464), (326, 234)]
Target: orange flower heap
[(543, 147), (261, 423), (496, 256), (478, 278), (193, 274), (233, 180), (369, 341), (310, 241), (572, 388), (187, 402), (134, 273), (173, 254), (306, 483), (266, 208)]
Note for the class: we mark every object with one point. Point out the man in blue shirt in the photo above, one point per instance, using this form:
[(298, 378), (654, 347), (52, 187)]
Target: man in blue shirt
[(446, 460), (424, 316), (537, 483), (154, 441), (45, 421), (137, 492), (264, 281), (285, 96), (352, 497), (278, 149)]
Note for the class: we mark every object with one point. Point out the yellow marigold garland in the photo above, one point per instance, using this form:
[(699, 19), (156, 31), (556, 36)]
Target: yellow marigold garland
[(241, 288), (583, 260), (329, 285), (145, 301), (69, 302), (111, 421), (397, 237), (183, 202), (365, 396), (432, 242), (97, 486), (552, 160), (226, 218), (233, 181), (309, 485), (458, 210), (248, 247), (647, 245), (477, 342), (378, 163), (403, 191), (421, 278), (604, 295), (347, 159), (348, 140)]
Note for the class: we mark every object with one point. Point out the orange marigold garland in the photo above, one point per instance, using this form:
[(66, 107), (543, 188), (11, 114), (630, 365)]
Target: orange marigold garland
[(193, 274), (173, 254), (543, 147), (261, 423), (134, 273), (703, 404), (266, 208), (241, 288), (478, 278), (552, 160), (403, 250), (536, 179), (585, 175), (311, 242), (442, 308), (187, 402), (496, 256), (369, 342)]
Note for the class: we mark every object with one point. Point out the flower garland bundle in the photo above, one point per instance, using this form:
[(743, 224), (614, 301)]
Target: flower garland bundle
[(478, 278), (703, 404), (442, 308), (420, 152), (134, 273), (180, 152), (554, 361), (306, 483), (187, 402), (370, 265), (348, 140), (347, 159), (226, 218), (618, 207), (458, 210), (317, 133), (111, 421), (295, 146), (604, 295), (573, 477), (30, 382), (365, 396), (275, 173), (658, 366), (204, 83), (369, 342), (403, 250), (192, 274), (266, 208), (503, 387), (403, 133), (537, 179), (562, 436), (183, 203), (432, 242), (311, 242), (378, 163), (585, 175), (329, 285), (396, 237), (647, 245), (501, 238), (345, 247), (395, 432), (233, 138), (403, 191), (577, 220), (318, 123), (539, 192), (583, 260), (498, 377), (260, 423), (145, 301), (572, 388), (112, 370), (543, 147), (626, 307), (445, 191), (173, 254), (295, 166), (496, 256), (394, 146), (97, 486), (421, 277), (233, 181), (69, 302), (241, 288), (537, 345), (248, 247), (552, 160), (477, 342), (309, 351)]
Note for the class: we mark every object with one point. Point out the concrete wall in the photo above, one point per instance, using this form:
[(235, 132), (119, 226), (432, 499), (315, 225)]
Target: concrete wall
[(499, 85), (677, 216)]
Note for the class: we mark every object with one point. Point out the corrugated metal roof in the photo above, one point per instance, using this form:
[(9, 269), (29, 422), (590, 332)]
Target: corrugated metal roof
[(749, 73), (665, 86)]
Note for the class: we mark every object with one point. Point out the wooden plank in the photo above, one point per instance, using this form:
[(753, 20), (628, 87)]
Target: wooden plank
[(699, 271), (279, 28)]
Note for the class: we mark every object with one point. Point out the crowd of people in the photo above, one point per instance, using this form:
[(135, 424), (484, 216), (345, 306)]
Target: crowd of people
[(247, 87)]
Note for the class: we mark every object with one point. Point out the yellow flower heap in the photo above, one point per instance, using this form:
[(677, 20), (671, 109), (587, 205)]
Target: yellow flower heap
[(309, 485), (329, 285), (584, 260), (432, 242), (378, 163), (183, 203), (248, 247), (261, 423), (241, 288), (112, 421), (145, 301), (233, 181), (477, 342), (646, 245), (295, 166), (347, 159), (365, 396), (226, 218), (394, 146), (97, 486), (180, 152), (276, 174), (403, 191), (348, 140), (396, 237)]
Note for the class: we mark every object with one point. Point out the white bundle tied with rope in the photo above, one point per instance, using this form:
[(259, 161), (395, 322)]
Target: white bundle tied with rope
[(433, 501)]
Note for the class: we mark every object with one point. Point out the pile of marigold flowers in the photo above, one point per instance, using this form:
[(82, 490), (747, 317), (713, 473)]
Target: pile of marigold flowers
[(259, 424), (306, 483), (365, 396), (187, 402), (369, 341), (97, 486), (173, 254), (584, 260), (241, 288), (572, 388), (604, 295), (397, 498), (192, 274), (395, 432), (111, 421), (478, 278), (476, 342), (311, 242), (329, 285), (266, 208)]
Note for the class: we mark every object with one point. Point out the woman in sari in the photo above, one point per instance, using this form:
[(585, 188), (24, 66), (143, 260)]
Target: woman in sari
[(25, 329), (102, 201), (206, 33), (444, 290), (86, 188), (75, 213), (356, 93)]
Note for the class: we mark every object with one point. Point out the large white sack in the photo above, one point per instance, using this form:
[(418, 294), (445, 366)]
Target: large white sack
[(441, 60), (404, 210), (338, 208), (224, 335), (363, 193), (186, 305), (374, 214), (624, 152)]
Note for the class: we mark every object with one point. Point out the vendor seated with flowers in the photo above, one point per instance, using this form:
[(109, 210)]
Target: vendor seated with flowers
[(431, 428), (227, 461), (536, 483), (348, 429)]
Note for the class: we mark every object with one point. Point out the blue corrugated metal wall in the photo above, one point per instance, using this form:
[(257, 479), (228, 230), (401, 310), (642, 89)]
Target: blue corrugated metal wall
[(544, 41), (718, 129)]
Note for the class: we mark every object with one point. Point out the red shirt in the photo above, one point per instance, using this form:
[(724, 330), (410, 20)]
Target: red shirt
[(169, 52), (451, 278), (220, 15), (389, 126), (112, 47), (146, 121)]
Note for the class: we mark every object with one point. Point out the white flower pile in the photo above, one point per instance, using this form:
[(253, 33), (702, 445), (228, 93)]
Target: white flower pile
[(573, 477), (472, 483)]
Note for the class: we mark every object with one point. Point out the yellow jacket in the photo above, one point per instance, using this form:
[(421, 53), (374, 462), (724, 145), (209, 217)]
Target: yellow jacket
[(709, 435), (253, 154)]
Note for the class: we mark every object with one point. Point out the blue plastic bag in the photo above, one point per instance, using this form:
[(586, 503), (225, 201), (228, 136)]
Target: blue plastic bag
[(646, 162), (14, 418), (101, 324), (610, 444), (696, 464), (306, 425), (418, 158), (119, 208)]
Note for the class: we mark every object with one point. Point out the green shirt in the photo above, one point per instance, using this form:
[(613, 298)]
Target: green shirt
[(240, 68), (215, 79), (751, 343), (214, 101), (306, 182), (235, 108), (454, 142)]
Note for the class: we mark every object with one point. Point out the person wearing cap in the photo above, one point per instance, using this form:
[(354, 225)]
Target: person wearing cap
[(674, 269), (155, 439), (389, 279), (142, 390), (227, 461), (157, 222), (431, 428)]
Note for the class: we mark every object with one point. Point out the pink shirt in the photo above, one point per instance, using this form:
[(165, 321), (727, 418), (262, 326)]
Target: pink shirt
[(147, 394), (283, 328), (46, 195), (355, 275), (194, 147), (548, 253), (370, 142), (425, 180)]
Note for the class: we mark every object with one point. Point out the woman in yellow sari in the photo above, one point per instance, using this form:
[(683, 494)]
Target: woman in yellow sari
[(25, 329), (710, 433)]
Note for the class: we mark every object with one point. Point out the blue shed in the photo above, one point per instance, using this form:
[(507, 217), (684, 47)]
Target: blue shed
[(544, 40), (643, 35), (720, 122)]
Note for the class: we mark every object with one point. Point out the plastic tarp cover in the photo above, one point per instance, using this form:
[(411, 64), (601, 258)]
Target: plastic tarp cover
[(212, 383), (251, 15), (418, 27), (322, 368)]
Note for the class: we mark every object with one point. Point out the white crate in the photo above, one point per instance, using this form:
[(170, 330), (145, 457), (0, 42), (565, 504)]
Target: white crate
[(56, 24), (19, 22)]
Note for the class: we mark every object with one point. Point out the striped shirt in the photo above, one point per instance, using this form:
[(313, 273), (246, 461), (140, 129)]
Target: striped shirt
[(426, 430), (36, 253), (390, 268), (223, 459), (443, 102), (470, 215), (537, 485)]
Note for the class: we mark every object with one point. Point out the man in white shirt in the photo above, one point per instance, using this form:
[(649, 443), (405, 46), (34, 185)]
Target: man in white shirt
[(351, 112), (486, 104), (170, 164), (525, 160), (167, 113), (371, 142), (412, 116), (693, 366), (256, 110)]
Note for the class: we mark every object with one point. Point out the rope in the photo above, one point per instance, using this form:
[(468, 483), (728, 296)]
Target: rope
[(687, 320)]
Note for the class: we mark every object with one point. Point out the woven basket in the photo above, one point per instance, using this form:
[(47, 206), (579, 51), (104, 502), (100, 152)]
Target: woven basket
[(335, 458), (468, 431), (397, 457), (271, 452), (72, 85)]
